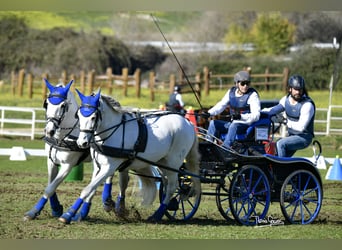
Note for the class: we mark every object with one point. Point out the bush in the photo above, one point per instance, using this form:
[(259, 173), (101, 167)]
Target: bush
[(315, 65)]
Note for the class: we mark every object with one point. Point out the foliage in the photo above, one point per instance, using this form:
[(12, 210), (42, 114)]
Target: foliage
[(58, 49), (320, 27), (146, 58), (237, 35), (272, 34), (315, 65)]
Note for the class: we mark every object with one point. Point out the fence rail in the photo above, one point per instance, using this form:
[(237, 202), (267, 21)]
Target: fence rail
[(14, 115), (88, 82)]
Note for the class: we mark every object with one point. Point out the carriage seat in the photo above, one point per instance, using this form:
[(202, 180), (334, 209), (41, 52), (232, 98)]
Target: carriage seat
[(263, 124)]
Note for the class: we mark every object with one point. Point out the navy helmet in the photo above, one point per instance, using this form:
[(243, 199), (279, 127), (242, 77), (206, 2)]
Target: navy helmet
[(177, 89), (296, 82)]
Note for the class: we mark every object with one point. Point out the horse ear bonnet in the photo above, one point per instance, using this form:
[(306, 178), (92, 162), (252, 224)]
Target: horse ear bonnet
[(89, 103), (58, 95)]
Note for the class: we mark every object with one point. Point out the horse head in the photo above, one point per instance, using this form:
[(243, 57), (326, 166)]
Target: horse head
[(57, 106), (89, 116)]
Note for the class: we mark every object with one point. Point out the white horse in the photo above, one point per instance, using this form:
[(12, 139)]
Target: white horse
[(123, 139), (61, 132)]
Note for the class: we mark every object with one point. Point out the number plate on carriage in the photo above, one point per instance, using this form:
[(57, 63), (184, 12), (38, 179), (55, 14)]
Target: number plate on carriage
[(261, 133)]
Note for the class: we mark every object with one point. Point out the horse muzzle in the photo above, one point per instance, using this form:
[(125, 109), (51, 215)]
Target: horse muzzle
[(83, 140)]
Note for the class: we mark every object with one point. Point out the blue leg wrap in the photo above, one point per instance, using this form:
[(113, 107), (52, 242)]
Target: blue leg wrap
[(77, 204), (34, 212), (107, 192), (83, 213), (41, 203), (57, 208), (120, 204), (72, 211), (158, 215)]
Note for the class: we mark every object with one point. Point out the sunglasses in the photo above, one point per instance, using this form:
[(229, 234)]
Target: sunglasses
[(243, 83)]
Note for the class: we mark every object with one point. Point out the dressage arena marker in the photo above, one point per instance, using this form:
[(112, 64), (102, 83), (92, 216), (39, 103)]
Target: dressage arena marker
[(18, 154), (335, 171)]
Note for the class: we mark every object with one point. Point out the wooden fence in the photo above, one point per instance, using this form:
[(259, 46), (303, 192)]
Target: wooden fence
[(85, 82), (200, 82), (264, 80)]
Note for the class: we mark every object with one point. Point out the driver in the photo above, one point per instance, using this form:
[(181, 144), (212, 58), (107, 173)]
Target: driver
[(300, 112), (244, 106)]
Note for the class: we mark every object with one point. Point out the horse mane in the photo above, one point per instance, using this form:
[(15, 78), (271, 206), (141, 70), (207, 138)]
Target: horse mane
[(111, 102)]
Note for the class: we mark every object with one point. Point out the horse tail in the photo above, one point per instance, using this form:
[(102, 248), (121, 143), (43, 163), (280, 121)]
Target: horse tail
[(193, 163), (148, 185)]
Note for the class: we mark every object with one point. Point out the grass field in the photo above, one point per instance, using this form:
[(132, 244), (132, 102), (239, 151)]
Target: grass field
[(22, 184)]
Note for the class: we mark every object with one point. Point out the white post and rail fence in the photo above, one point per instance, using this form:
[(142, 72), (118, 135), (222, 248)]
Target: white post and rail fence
[(30, 121)]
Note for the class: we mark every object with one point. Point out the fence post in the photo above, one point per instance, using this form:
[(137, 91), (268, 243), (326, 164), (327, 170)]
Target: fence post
[(21, 81), (109, 73), (206, 78), (267, 79), (82, 81), (91, 80), (198, 84), (328, 120), (125, 80), (172, 83), (44, 88), (137, 78), (13, 82), (151, 83), (73, 77), (30, 85), (64, 77), (286, 73)]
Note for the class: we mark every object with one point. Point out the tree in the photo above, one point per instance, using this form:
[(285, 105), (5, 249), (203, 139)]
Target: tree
[(272, 34)]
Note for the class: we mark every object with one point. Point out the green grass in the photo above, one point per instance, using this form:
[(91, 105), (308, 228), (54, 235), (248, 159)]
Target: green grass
[(89, 21), (22, 184)]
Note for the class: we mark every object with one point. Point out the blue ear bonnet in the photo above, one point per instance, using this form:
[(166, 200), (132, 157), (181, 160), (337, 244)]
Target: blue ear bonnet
[(58, 95), (89, 105)]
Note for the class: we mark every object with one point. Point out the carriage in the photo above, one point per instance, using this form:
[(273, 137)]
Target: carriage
[(249, 177)]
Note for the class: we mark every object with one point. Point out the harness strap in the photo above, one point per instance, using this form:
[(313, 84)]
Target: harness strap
[(140, 145), (65, 145)]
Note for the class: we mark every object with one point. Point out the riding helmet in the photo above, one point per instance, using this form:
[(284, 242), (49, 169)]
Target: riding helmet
[(242, 76), (177, 89), (296, 82)]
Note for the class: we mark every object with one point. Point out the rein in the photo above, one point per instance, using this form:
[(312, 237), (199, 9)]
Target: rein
[(180, 66)]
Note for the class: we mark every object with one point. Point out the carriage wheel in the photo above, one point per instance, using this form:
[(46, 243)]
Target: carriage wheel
[(249, 195), (185, 202), (222, 198), (301, 197)]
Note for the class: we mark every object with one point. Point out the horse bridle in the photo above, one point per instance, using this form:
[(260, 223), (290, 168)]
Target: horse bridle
[(98, 117), (57, 121)]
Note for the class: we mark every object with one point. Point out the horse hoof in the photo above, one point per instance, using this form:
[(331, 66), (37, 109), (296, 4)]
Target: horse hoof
[(31, 215), (27, 218), (65, 218), (64, 221), (57, 212), (153, 219), (109, 205)]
